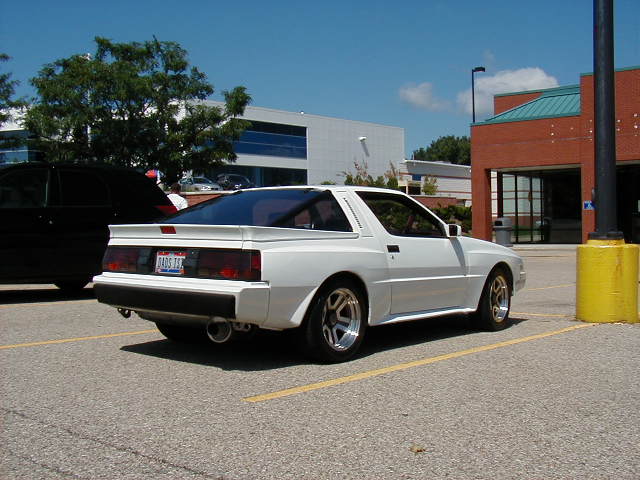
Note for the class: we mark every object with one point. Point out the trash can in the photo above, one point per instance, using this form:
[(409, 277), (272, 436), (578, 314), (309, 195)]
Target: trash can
[(503, 226)]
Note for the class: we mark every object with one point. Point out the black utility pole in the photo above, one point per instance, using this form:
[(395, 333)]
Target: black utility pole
[(605, 134), (473, 92)]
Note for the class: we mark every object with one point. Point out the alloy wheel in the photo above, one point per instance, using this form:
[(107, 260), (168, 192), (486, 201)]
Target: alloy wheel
[(341, 319), (499, 301)]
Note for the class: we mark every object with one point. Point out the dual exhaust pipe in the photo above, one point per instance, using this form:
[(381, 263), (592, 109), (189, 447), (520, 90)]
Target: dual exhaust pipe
[(218, 329)]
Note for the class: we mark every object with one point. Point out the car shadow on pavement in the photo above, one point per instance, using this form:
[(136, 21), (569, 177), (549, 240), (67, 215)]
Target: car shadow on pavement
[(400, 335), (275, 350), (264, 351), (43, 295)]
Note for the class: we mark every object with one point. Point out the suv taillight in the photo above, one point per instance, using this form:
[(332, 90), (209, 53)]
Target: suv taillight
[(121, 259), (167, 209), (230, 265)]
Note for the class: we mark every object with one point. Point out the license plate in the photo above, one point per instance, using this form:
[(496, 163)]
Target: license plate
[(170, 262)]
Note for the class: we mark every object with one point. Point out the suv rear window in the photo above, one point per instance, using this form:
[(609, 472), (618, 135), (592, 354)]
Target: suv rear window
[(295, 208), (134, 188)]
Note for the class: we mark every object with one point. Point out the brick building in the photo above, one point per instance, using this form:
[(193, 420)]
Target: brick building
[(534, 162)]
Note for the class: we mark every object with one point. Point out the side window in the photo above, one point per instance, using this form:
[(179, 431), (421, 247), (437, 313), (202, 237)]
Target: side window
[(322, 214), (83, 189), (399, 216), (24, 189), (329, 216)]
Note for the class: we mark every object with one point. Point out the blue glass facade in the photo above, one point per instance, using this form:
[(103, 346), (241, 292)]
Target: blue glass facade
[(273, 139), (16, 154), (264, 176)]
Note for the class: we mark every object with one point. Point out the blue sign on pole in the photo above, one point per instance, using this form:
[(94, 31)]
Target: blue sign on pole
[(588, 205)]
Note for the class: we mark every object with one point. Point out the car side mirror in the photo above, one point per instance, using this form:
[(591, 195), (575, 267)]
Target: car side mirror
[(454, 230)]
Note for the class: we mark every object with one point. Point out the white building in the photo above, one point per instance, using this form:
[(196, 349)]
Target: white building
[(451, 180), (283, 147)]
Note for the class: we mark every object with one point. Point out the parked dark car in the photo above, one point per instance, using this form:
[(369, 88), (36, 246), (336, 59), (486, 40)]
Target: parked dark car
[(54, 218), (232, 181)]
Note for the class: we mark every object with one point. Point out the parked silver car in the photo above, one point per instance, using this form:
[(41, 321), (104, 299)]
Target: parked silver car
[(195, 184)]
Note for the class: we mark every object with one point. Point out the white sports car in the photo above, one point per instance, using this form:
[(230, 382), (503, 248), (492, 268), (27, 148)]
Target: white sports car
[(330, 261)]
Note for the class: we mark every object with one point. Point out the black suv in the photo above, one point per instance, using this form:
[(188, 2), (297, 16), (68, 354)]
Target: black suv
[(54, 218)]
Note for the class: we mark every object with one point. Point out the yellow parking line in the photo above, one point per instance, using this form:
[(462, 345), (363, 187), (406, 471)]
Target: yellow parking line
[(552, 286), (558, 315), (78, 339), (405, 366)]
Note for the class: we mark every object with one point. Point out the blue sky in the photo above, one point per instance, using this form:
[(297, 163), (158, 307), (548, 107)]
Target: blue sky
[(401, 63)]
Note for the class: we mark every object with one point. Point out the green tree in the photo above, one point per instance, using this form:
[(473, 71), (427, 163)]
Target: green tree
[(430, 185), (362, 177), (450, 149), (134, 104), (455, 214), (8, 104)]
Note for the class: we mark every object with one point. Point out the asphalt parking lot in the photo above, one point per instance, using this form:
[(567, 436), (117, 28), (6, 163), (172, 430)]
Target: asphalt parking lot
[(87, 394)]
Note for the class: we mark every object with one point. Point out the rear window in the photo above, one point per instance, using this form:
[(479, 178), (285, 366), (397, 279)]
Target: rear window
[(295, 208), (134, 188)]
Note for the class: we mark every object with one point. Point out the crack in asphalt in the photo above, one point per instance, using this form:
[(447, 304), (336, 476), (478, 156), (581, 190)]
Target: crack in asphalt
[(98, 441), (45, 466)]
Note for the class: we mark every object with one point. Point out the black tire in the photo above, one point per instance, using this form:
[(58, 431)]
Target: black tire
[(493, 310), (182, 334), (71, 285), (336, 321)]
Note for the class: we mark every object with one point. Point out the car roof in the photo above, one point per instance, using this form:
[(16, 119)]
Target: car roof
[(77, 166), (330, 188)]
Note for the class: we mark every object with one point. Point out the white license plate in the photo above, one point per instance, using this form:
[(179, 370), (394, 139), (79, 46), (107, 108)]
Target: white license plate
[(170, 262)]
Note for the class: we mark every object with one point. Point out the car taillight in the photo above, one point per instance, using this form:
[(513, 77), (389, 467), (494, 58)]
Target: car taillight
[(121, 259), (230, 265), (167, 209)]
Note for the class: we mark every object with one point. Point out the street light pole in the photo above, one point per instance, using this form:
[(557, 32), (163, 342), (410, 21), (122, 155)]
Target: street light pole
[(473, 92), (605, 134)]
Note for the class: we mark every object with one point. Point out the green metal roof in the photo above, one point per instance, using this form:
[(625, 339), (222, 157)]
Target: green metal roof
[(554, 102)]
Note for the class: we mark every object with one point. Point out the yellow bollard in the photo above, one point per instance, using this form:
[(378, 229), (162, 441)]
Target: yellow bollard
[(607, 281)]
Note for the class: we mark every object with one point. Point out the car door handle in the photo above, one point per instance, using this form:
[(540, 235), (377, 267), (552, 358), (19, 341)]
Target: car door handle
[(393, 249)]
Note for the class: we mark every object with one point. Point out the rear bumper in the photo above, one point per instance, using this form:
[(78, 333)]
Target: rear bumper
[(187, 303), (185, 297)]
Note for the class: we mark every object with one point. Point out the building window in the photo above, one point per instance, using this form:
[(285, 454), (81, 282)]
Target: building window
[(20, 152), (273, 139)]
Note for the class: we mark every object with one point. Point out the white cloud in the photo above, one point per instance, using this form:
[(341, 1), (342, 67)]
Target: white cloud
[(489, 58), (421, 96), (486, 86)]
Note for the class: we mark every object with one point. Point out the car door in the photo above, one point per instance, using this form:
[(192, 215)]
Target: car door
[(427, 268), (25, 228), (80, 220)]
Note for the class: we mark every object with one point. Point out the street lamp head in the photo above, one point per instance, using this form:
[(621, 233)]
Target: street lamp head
[(473, 92)]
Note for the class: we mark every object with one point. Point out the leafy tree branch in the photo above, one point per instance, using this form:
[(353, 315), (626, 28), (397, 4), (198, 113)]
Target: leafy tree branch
[(137, 104), (449, 149)]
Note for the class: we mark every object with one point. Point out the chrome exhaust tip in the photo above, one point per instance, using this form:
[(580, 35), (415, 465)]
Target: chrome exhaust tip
[(219, 330)]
